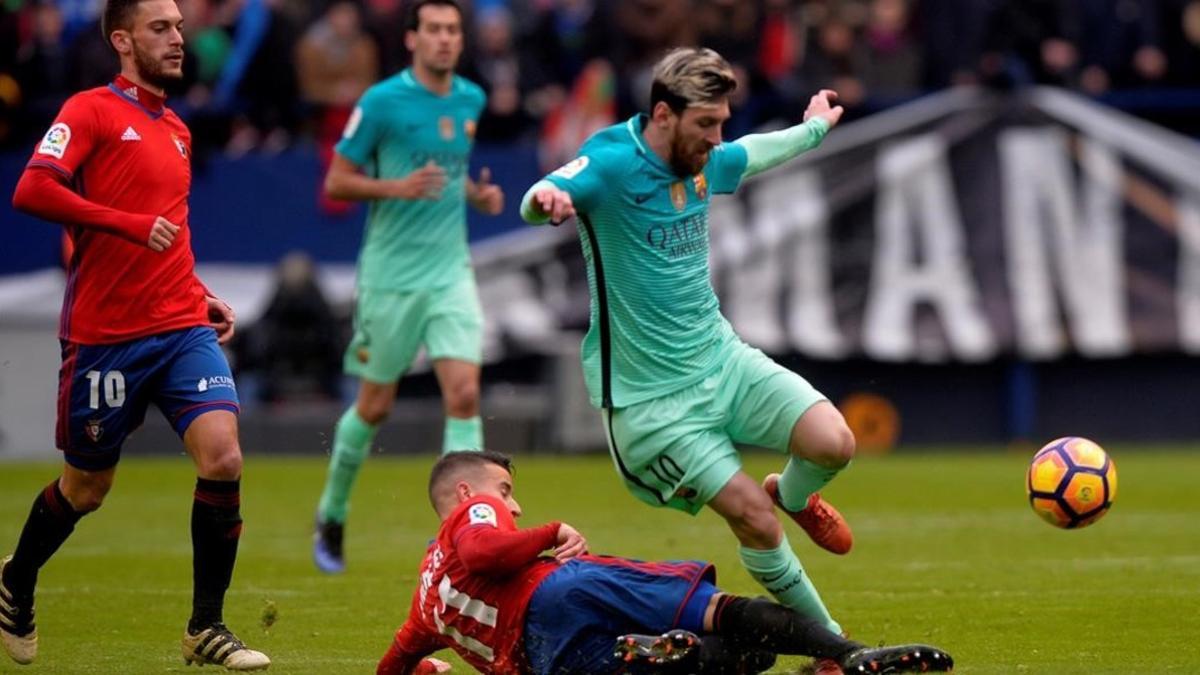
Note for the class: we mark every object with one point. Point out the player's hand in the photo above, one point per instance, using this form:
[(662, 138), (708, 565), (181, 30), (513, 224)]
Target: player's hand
[(221, 318), (424, 183), (162, 234), (822, 105), (486, 197), (430, 666), (554, 203), (569, 543)]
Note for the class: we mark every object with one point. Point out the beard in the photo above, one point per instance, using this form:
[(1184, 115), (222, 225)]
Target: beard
[(154, 71), (687, 161)]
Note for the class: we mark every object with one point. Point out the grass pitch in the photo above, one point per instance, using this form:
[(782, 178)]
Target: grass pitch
[(947, 551)]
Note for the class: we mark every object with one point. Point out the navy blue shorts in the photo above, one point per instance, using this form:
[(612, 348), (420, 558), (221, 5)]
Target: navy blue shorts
[(104, 390), (577, 613)]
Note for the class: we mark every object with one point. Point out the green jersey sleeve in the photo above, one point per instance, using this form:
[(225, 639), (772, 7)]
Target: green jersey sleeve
[(726, 164), (584, 178), (363, 132)]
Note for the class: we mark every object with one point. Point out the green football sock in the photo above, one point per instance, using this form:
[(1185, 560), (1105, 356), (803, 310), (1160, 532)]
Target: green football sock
[(462, 434), (780, 572), (800, 479), (351, 443)]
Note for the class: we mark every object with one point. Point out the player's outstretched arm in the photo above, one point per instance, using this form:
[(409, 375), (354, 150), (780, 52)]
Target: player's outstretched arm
[(41, 192), (546, 203), (571, 543), (484, 195), (488, 551), (409, 651), (764, 151), (346, 182)]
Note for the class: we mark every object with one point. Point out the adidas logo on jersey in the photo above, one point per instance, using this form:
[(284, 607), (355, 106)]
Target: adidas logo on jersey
[(130, 135)]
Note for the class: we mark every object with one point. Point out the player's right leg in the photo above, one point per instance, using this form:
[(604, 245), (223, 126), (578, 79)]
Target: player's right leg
[(101, 399), (56, 510), (758, 623), (682, 652), (352, 443), (776, 408), (821, 445), (387, 334)]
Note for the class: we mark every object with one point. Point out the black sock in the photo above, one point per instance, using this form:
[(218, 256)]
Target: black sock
[(716, 656), (762, 624), (216, 527), (50, 522)]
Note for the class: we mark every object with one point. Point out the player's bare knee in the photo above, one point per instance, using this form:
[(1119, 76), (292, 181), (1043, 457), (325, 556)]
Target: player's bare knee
[(833, 449), (462, 399), (842, 447), (374, 412), (87, 496), (222, 463), (756, 524), (86, 500), (85, 490)]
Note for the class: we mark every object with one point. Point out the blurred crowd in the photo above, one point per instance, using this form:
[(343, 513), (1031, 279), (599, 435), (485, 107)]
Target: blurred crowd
[(261, 74)]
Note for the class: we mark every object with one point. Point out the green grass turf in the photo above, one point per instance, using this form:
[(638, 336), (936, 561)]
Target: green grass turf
[(947, 551)]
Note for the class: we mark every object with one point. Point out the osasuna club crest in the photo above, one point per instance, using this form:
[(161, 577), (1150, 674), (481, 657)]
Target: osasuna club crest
[(93, 430)]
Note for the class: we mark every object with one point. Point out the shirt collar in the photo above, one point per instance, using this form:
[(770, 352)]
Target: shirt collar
[(147, 99), (637, 129)]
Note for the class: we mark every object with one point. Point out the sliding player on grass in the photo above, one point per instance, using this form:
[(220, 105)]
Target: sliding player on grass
[(485, 591)]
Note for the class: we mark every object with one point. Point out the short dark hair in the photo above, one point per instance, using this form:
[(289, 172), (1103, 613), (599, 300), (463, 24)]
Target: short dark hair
[(453, 462), (413, 21), (117, 16)]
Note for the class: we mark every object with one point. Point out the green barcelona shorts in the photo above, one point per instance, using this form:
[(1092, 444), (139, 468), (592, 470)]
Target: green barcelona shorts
[(678, 450), (391, 326)]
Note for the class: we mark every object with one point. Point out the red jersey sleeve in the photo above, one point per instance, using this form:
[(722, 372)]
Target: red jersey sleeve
[(43, 189), (70, 140), (489, 543), (412, 643)]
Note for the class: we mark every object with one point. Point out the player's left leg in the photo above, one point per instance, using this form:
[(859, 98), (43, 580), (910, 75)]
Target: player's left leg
[(454, 340), (459, 381), (211, 439), (764, 549), (198, 395)]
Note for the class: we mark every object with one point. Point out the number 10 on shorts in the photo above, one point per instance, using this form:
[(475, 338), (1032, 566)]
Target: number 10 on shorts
[(113, 386)]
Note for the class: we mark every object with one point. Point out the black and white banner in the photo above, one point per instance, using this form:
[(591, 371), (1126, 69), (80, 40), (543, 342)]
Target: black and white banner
[(963, 227)]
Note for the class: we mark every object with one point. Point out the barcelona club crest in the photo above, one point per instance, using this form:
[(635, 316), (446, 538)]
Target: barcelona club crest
[(701, 185), (678, 195), (469, 128), (93, 430), (446, 127)]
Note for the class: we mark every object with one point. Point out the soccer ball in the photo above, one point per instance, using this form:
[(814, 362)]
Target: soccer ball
[(1071, 482)]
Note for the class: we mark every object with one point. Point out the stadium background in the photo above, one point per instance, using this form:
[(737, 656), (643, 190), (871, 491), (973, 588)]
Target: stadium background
[(1038, 343), (1000, 245)]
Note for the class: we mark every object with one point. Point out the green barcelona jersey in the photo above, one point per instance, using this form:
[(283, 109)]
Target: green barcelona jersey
[(656, 325), (397, 127)]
